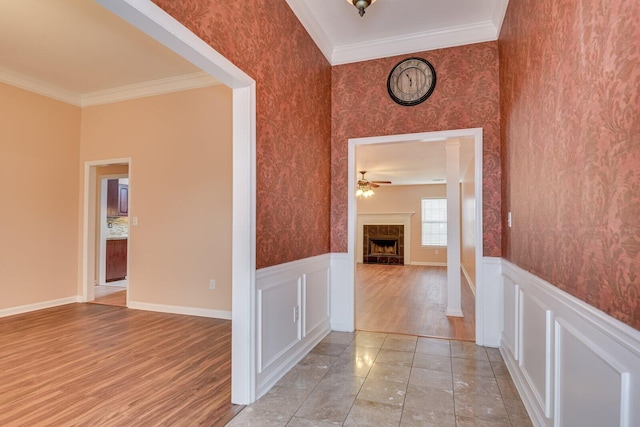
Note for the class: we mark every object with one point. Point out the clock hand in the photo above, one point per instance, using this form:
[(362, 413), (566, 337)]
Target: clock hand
[(410, 79)]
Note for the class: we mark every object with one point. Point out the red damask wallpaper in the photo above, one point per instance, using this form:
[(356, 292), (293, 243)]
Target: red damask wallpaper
[(466, 96), (293, 84), (570, 114)]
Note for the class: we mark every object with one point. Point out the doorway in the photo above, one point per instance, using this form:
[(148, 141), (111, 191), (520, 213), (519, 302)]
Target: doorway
[(107, 226), (113, 227), (355, 242), (150, 19)]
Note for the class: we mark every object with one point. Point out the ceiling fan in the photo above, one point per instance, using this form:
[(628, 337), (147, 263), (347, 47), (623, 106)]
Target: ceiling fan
[(365, 188)]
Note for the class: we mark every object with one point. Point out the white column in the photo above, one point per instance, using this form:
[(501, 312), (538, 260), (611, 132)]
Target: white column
[(454, 304)]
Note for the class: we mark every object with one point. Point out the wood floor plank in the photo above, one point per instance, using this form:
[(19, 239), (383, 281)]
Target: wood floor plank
[(90, 365), (410, 300)]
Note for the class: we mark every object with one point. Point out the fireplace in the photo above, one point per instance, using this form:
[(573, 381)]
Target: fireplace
[(383, 244)]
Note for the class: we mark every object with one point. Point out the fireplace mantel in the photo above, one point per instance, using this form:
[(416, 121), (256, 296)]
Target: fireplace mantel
[(378, 218)]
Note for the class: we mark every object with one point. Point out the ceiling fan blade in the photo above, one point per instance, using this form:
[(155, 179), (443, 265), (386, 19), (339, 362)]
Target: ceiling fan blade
[(373, 185), (382, 182)]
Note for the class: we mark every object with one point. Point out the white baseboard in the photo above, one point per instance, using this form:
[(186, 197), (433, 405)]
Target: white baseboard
[(472, 285), (38, 306), (429, 264), (175, 309)]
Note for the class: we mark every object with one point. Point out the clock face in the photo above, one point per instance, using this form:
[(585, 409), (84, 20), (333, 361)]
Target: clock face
[(411, 81)]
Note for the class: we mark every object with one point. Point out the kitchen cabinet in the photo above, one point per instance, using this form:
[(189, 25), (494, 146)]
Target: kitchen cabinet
[(117, 199), (116, 262)]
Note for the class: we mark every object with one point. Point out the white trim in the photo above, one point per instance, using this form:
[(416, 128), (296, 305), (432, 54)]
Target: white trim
[(177, 309), (123, 93), (152, 20), (429, 264), (472, 285), (11, 311), (290, 282), (342, 299), (150, 88), (313, 27), (489, 296), (613, 343), (38, 87), (498, 14), (348, 287), (417, 42)]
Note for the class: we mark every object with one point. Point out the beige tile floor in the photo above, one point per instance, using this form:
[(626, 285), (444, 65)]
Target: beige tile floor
[(374, 379)]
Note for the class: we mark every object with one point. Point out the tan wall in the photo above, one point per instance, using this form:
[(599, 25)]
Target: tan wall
[(407, 198), (180, 191), (468, 219), (39, 143)]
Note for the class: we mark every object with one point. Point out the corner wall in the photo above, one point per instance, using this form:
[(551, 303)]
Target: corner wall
[(293, 119), (180, 192), (39, 144)]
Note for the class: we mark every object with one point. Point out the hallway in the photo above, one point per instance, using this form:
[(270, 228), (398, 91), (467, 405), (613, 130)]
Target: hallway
[(374, 379), (412, 300)]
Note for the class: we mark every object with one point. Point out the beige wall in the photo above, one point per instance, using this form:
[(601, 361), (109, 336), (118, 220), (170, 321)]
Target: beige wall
[(407, 198), (39, 145), (180, 191), (468, 219)]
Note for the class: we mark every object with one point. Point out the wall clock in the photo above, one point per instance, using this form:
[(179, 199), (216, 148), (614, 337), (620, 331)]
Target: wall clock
[(411, 81)]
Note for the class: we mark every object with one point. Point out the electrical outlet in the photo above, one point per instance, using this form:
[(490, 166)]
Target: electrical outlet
[(437, 251), (212, 284), (296, 313)]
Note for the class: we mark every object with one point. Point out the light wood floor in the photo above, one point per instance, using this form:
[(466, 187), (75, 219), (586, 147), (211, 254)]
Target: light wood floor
[(411, 300), (110, 295), (98, 365)]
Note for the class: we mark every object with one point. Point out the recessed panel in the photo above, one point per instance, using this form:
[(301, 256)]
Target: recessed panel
[(589, 388), (279, 328), (534, 347), (510, 321), (317, 299)]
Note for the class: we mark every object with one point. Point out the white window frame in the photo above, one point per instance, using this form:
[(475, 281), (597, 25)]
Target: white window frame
[(439, 244)]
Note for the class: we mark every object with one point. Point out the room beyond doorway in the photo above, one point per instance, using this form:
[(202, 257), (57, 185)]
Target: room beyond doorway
[(412, 300), (110, 295)]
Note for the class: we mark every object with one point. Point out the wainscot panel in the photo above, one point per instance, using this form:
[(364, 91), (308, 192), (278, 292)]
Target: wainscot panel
[(292, 315), (573, 364)]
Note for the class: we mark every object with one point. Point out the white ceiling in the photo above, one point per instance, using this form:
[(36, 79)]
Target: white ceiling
[(78, 52), (410, 163), (396, 27), (70, 49)]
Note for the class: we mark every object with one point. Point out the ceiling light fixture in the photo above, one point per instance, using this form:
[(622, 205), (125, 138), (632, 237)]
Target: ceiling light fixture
[(361, 5)]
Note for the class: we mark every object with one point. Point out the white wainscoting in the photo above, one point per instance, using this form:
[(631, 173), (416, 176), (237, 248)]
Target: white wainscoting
[(574, 365), (293, 309)]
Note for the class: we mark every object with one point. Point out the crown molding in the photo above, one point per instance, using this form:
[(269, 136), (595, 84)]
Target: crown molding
[(154, 87), (38, 86), (498, 15), (311, 24), (417, 42), (123, 93)]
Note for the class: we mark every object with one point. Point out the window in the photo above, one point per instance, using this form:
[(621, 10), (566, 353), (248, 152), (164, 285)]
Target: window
[(434, 222)]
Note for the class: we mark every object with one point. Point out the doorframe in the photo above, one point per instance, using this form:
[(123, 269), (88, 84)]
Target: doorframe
[(155, 22), (90, 218), (476, 134)]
